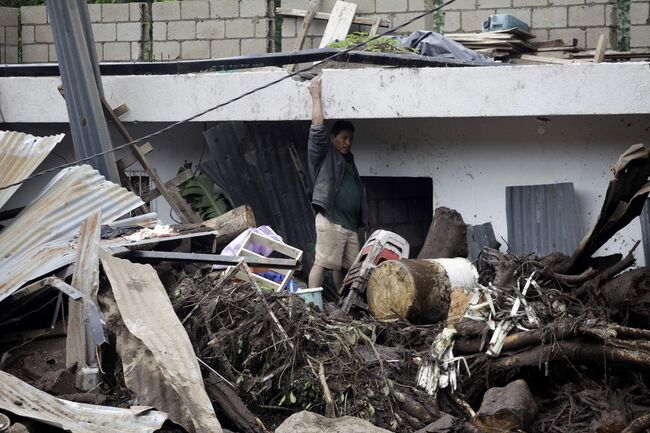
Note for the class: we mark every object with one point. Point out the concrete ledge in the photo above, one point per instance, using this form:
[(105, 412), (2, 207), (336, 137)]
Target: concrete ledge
[(597, 89)]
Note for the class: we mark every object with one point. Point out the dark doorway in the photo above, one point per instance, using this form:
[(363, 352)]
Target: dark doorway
[(403, 205)]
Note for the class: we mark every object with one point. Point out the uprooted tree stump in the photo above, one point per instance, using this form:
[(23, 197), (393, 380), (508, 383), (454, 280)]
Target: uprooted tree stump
[(447, 236)]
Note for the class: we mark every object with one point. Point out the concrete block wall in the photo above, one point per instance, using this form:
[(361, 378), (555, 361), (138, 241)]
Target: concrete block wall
[(584, 20), (9, 26), (120, 31), (202, 29)]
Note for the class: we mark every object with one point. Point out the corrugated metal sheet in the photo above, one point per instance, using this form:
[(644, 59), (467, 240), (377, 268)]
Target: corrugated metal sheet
[(253, 163), (40, 238), (24, 400), (479, 236), (543, 219), (148, 314), (73, 195), (20, 154)]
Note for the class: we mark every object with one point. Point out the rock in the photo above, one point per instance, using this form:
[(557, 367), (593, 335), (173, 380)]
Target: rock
[(309, 422), (505, 409)]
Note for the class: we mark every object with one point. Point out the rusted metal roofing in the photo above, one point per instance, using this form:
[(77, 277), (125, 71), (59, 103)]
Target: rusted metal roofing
[(148, 314), (40, 239), (24, 400), (20, 154)]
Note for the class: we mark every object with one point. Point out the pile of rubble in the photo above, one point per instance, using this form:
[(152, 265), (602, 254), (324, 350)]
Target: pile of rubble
[(94, 338)]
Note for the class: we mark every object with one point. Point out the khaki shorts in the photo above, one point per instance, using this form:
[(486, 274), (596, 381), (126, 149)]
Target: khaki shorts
[(336, 247)]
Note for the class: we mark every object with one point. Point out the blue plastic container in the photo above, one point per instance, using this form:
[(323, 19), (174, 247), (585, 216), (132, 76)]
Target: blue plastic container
[(502, 22)]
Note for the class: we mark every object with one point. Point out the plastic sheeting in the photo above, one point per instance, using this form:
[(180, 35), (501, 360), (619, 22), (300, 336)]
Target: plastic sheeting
[(433, 44)]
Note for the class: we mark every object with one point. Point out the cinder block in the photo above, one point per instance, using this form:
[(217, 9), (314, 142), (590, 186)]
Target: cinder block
[(253, 46), (33, 15), (417, 5), (296, 4), (587, 16), (317, 28), (552, 17), (169, 50), (11, 55), (566, 2), (610, 16), (210, 29), (192, 50), (11, 35), (224, 48), (494, 4), (262, 28), (640, 14), (289, 26), (367, 6), (95, 13), (129, 31), (166, 11), (391, 5), (252, 8), (35, 53), (159, 31), (193, 10), (472, 21), (460, 5), (117, 51), (99, 51), (593, 33), (240, 28), (181, 30), (525, 3), (28, 35), (104, 32), (136, 51), (576, 33), (43, 34), (51, 49), (137, 11), (640, 36), (224, 9), (523, 14), (8, 16), (452, 22), (118, 12), (288, 44), (399, 19)]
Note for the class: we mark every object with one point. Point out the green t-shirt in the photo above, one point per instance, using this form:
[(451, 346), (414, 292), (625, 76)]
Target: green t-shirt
[(347, 206)]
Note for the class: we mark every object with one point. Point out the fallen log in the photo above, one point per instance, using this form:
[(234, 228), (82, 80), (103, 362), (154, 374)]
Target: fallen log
[(639, 425), (232, 406)]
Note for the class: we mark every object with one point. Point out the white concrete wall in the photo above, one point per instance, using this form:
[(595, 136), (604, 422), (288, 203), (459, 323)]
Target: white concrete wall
[(613, 88), (471, 161)]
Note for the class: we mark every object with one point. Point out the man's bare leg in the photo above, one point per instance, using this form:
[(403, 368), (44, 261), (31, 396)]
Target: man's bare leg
[(316, 276), (338, 280)]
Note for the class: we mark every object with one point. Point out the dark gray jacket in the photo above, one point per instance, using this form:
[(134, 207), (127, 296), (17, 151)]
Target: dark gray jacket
[(326, 168)]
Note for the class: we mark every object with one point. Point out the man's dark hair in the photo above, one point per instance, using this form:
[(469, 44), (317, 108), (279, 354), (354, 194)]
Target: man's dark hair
[(342, 125)]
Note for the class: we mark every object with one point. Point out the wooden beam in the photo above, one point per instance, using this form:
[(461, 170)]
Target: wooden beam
[(79, 345), (375, 27), (183, 176), (128, 160), (288, 12), (339, 23), (215, 259), (601, 46), (121, 110), (306, 23), (177, 203)]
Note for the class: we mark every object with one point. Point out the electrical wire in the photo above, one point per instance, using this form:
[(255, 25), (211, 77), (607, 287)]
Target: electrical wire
[(232, 100)]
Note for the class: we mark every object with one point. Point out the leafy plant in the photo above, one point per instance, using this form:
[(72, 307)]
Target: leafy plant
[(199, 194), (384, 44)]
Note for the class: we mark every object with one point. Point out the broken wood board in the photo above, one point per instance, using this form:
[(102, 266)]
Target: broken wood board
[(183, 176), (24, 400), (306, 23), (128, 160), (79, 345), (147, 313), (288, 12), (215, 259), (601, 46), (339, 23)]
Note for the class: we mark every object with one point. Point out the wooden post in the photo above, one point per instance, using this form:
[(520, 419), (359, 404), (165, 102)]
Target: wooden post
[(306, 23), (599, 56)]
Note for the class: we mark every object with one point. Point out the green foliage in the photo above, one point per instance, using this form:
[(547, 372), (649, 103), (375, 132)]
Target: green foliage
[(623, 24), (384, 44), (199, 194)]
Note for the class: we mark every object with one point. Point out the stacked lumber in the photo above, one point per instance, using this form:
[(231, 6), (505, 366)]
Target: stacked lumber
[(500, 44)]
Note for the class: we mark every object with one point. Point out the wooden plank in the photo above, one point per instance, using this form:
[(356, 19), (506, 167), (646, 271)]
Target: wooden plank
[(306, 23), (121, 110), (79, 345), (601, 46), (339, 23), (549, 60), (128, 159), (375, 27), (183, 176), (215, 259), (177, 203), (298, 13)]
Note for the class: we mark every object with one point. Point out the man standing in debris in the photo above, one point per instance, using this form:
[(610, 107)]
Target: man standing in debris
[(338, 198)]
